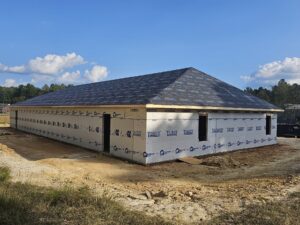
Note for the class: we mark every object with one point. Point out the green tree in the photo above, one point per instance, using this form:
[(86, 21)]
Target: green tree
[(280, 94), (45, 89), (11, 95)]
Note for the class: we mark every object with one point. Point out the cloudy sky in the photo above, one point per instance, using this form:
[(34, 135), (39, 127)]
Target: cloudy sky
[(245, 43)]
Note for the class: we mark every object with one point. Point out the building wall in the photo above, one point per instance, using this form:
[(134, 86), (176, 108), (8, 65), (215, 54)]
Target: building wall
[(172, 135), (147, 137), (83, 127)]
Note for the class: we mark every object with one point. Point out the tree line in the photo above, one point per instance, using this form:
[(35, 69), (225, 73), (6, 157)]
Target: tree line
[(279, 95), (11, 95)]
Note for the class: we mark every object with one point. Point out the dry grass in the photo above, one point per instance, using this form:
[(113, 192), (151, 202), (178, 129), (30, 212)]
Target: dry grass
[(32, 205), (24, 204), (284, 212)]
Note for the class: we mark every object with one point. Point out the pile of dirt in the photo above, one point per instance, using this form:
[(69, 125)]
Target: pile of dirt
[(220, 161)]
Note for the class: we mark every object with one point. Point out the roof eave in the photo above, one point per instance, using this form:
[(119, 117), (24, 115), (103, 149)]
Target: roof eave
[(157, 106), (80, 106), (152, 106)]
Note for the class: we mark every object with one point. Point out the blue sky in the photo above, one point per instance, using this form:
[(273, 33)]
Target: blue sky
[(245, 43)]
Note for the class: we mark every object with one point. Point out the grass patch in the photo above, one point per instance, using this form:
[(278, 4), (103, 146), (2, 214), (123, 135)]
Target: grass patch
[(25, 204), (4, 174), (32, 205), (272, 213)]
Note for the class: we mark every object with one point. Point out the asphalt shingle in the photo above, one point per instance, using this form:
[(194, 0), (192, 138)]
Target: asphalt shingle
[(186, 86)]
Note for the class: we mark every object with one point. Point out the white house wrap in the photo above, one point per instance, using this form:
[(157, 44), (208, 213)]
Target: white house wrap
[(152, 118)]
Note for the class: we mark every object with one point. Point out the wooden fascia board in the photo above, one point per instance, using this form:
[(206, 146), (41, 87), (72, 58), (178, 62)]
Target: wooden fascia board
[(80, 106), (153, 106), (156, 106)]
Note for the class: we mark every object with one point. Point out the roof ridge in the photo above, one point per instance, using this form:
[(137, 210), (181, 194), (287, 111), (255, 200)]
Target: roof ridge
[(135, 76), (184, 71)]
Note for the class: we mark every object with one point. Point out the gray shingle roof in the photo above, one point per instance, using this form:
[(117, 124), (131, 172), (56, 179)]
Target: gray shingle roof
[(186, 86)]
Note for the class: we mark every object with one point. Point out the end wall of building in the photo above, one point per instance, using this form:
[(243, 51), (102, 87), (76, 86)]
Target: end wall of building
[(172, 135)]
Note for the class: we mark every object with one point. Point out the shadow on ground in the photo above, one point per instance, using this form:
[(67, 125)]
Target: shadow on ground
[(269, 161)]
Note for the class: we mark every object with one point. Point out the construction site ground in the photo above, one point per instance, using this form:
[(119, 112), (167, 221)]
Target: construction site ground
[(177, 191)]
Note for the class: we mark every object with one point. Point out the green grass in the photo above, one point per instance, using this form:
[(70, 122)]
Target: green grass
[(32, 205), (4, 174)]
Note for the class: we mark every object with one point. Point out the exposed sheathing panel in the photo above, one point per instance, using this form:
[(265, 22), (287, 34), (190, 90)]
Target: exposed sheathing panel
[(174, 135), (128, 137), (84, 127), (162, 136)]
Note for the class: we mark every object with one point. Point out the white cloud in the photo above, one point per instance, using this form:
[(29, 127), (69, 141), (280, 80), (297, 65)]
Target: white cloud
[(10, 83), (97, 73), (12, 69), (53, 68), (50, 64), (17, 69), (247, 78), (69, 77), (271, 73), (53, 64)]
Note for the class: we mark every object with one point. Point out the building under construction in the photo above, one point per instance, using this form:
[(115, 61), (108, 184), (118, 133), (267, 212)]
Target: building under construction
[(152, 118)]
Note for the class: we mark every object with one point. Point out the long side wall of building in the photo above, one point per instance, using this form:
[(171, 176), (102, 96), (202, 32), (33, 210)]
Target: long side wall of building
[(172, 135), (84, 127)]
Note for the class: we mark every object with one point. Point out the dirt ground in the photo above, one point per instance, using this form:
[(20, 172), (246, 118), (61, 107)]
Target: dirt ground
[(4, 120), (174, 190)]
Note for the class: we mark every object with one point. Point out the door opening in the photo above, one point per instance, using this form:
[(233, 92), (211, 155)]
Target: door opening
[(16, 119), (106, 132), (268, 125), (202, 129)]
